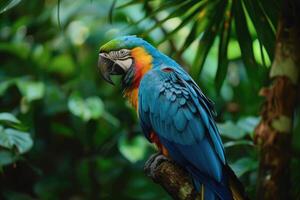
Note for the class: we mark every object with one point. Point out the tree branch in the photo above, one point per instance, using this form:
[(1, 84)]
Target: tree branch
[(171, 177)]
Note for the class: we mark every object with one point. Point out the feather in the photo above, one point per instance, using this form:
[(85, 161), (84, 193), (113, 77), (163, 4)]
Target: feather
[(164, 108), (184, 124), (187, 113), (191, 106), (173, 109), (182, 101), (144, 103), (179, 120)]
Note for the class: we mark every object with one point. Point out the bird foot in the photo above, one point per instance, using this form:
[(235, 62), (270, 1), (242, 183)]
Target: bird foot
[(153, 163)]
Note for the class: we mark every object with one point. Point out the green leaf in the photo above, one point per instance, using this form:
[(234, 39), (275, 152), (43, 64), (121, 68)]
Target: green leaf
[(207, 38), (190, 37), (95, 106), (4, 85), (200, 25), (90, 108), (231, 130), (204, 46), (31, 90), (260, 54), (234, 51), (176, 13), (8, 117), (152, 14), (244, 126), (111, 11), (11, 138), (223, 47), (19, 49), (111, 119), (248, 124), (7, 158), (8, 4), (263, 28), (238, 142), (271, 9), (76, 106), (244, 165), (129, 3), (133, 149), (62, 64), (245, 40), (189, 16)]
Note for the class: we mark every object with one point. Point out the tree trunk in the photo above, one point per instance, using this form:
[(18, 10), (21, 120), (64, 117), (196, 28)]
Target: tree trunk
[(274, 133)]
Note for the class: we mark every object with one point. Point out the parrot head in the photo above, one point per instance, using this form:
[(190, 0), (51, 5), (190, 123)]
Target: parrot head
[(129, 56)]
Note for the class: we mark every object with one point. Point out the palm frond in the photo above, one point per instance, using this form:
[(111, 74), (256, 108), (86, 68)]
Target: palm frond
[(244, 39), (213, 22), (8, 4), (223, 46), (263, 28), (209, 19)]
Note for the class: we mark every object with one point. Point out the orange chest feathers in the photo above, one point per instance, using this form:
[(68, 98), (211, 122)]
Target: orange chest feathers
[(133, 97), (142, 64)]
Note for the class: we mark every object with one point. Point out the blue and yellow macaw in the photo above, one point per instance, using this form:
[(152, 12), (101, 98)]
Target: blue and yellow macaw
[(173, 113)]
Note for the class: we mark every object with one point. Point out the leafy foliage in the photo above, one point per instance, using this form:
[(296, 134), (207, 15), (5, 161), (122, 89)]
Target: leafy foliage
[(13, 142), (8, 4), (244, 21), (11, 138), (67, 135)]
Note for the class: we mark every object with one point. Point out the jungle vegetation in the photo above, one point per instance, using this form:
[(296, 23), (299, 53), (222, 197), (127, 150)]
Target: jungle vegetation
[(65, 134)]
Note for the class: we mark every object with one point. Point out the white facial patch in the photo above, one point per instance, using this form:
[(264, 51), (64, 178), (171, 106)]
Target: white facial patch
[(125, 64)]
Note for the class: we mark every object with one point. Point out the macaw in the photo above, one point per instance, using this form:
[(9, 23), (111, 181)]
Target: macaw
[(173, 113)]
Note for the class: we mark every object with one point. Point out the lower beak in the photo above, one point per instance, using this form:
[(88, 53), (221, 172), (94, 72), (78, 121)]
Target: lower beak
[(108, 67)]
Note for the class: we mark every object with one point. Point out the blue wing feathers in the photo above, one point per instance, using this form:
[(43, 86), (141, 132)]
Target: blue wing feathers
[(174, 107), (180, 120), (176, 152), (187, 113)]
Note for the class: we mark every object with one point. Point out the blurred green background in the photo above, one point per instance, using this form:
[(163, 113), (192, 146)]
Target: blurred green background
[(65, 134)]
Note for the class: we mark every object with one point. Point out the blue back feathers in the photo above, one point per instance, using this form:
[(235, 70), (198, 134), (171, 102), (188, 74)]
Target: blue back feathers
[(174, 107)]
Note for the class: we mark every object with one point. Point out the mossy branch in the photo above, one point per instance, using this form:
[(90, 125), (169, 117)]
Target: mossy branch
[(171, 177)]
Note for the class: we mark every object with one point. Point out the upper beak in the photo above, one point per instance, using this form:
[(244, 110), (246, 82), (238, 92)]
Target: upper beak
[(108, 67)]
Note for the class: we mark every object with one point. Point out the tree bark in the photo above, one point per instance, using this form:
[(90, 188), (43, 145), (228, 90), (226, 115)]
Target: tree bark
[(274, 133), (171, 177)]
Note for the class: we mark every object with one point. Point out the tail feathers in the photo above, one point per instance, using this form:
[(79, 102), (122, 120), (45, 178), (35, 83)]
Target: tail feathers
[(208, 194), (236, 187), (204, 192), (212, 190)]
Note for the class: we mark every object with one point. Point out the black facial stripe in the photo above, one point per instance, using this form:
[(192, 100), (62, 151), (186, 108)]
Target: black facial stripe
[(114, 54), (124, 58), (122, 54)]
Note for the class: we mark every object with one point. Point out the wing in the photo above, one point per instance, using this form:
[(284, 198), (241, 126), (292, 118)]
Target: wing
[(172, 105)]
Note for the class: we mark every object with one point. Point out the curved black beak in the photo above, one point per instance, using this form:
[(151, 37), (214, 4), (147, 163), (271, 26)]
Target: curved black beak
[(108, 67)]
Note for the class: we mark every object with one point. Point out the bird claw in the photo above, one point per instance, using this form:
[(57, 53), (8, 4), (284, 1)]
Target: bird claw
[(153, 163)]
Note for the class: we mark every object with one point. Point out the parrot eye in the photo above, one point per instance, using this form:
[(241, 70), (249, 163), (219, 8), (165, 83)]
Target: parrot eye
[(123, 53)]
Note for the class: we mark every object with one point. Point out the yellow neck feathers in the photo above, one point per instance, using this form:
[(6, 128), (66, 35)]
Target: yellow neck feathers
[(142, 64)]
